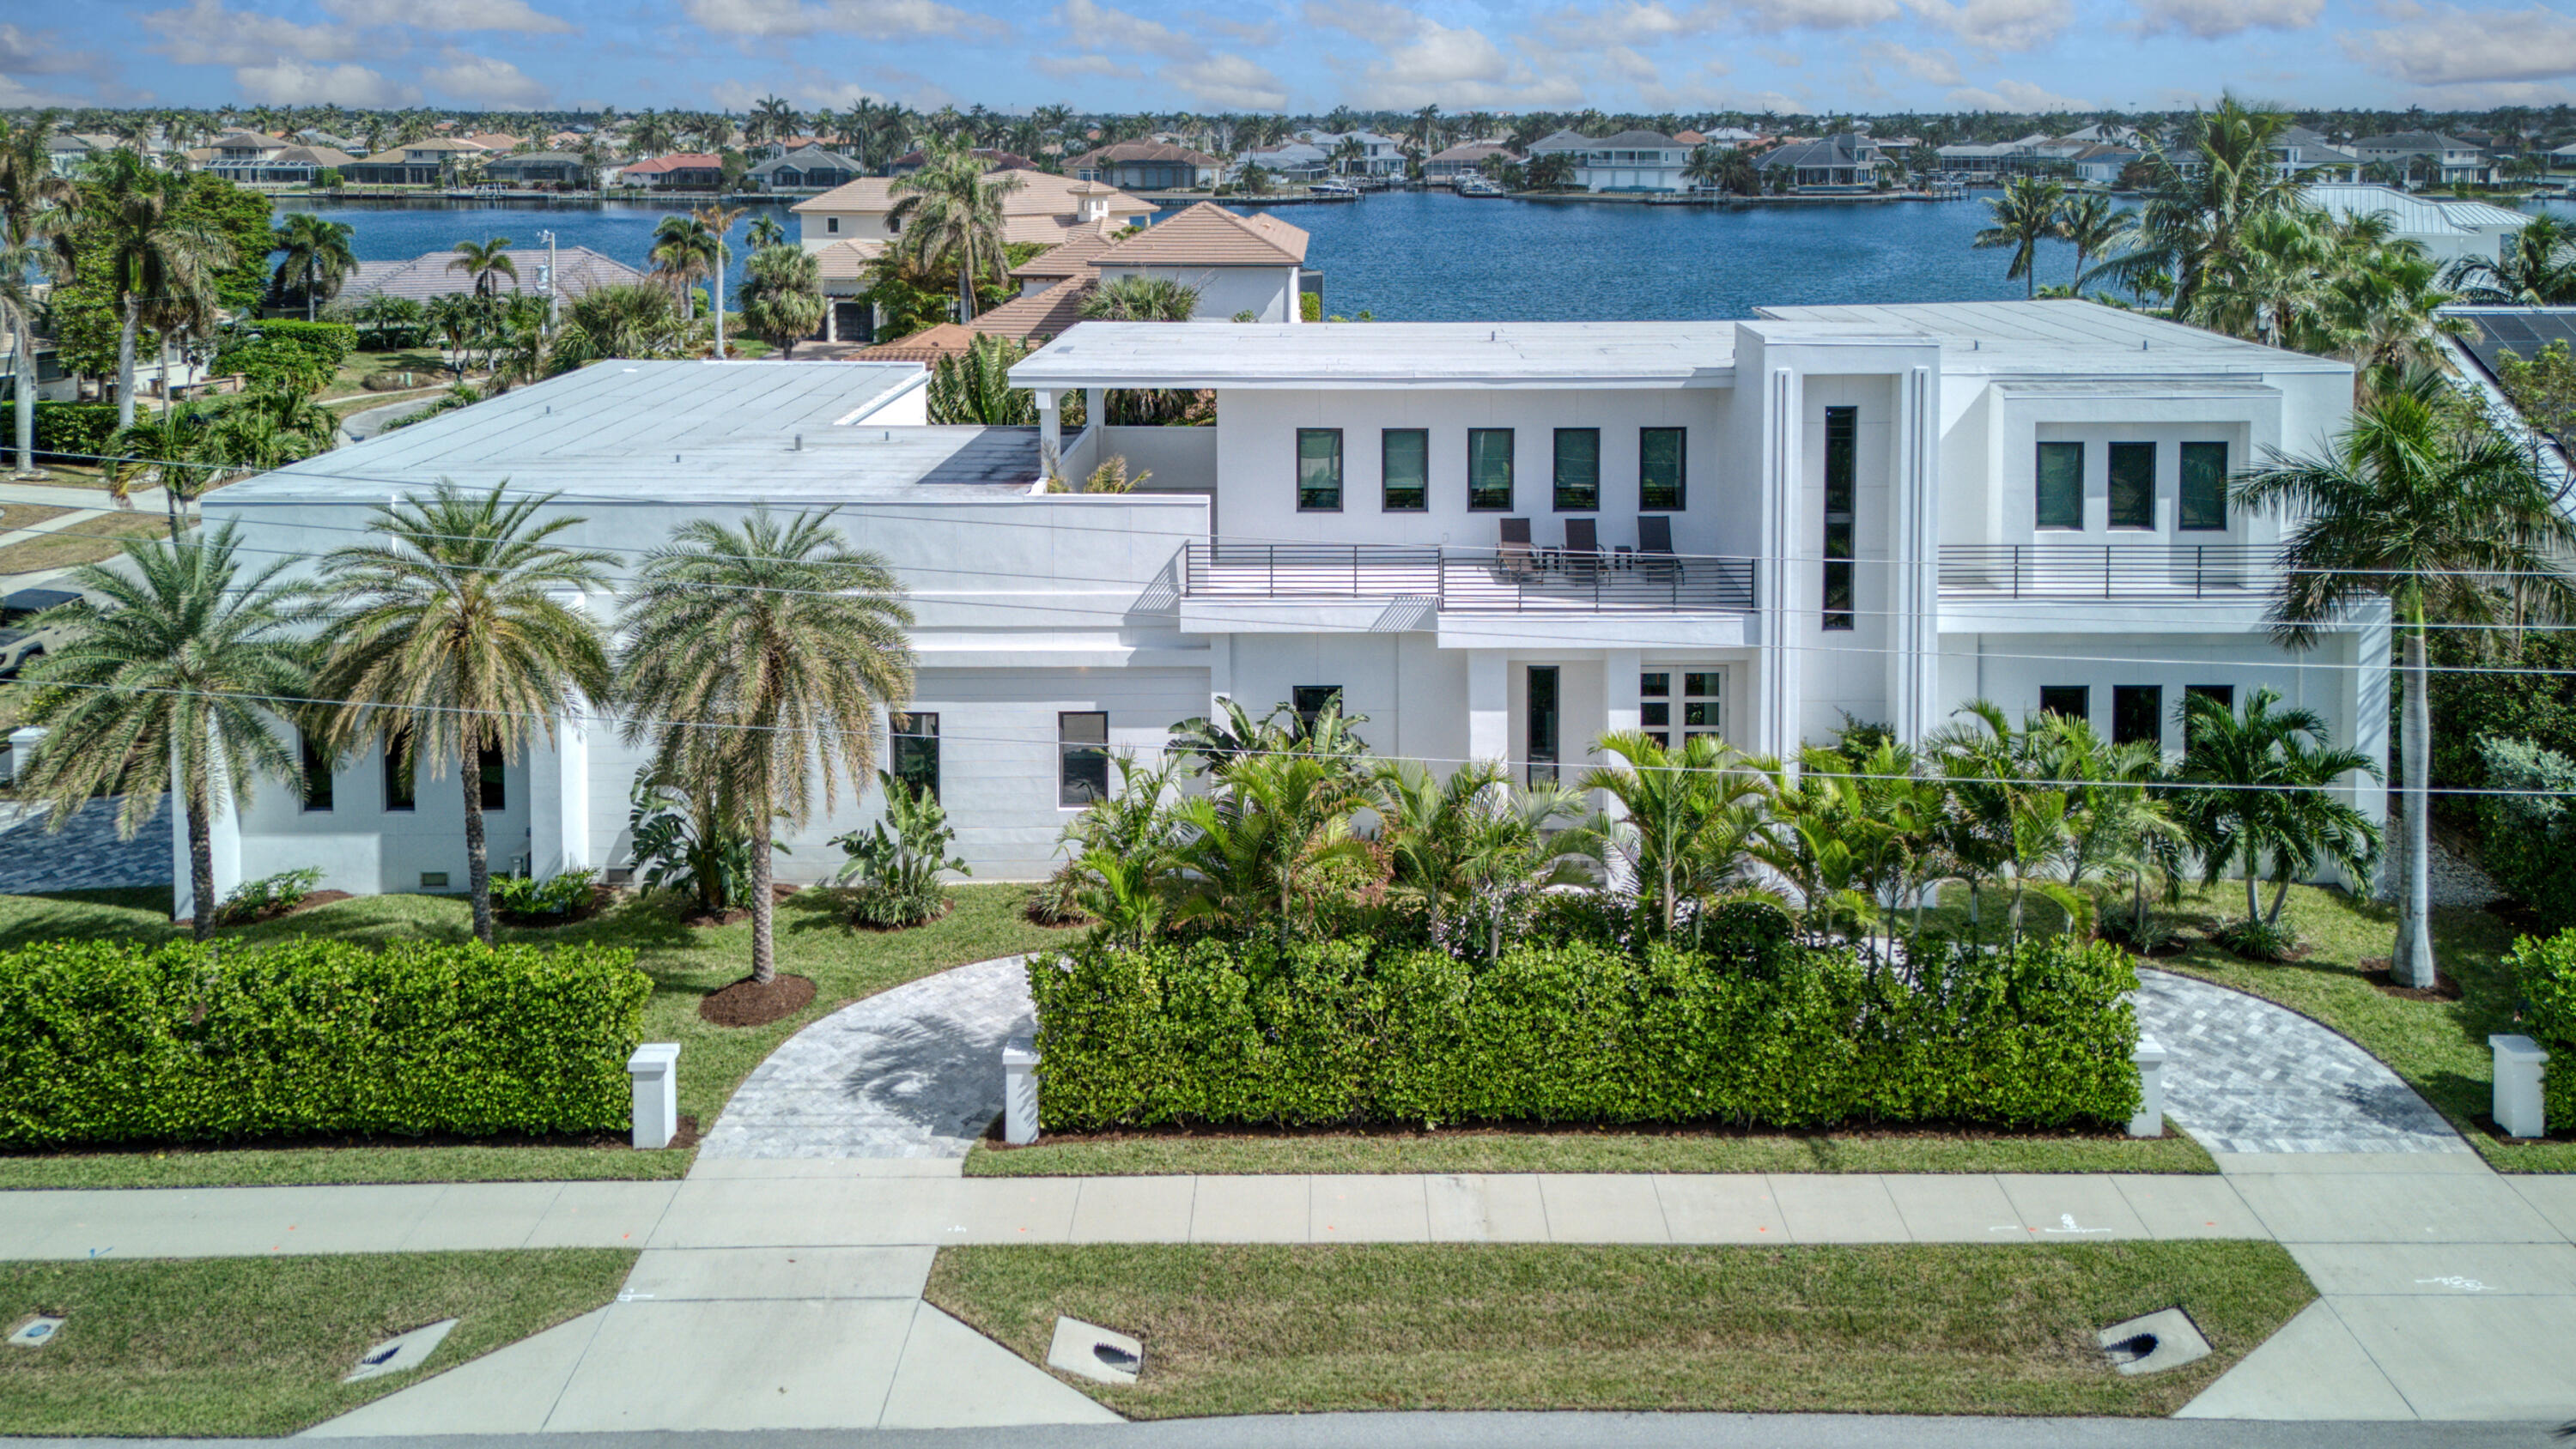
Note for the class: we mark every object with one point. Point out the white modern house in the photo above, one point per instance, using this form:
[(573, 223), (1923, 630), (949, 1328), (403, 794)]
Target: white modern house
[(2446, 229), (1495, 540), (1628, 161)]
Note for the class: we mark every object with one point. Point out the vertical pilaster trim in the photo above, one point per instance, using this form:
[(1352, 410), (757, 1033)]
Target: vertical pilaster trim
[(1781, 706)]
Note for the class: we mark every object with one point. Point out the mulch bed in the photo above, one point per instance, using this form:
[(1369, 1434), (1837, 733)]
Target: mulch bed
[(687, 1136), (749, 1003), (2375, 971), (2487, 1125), (1927, 1132)]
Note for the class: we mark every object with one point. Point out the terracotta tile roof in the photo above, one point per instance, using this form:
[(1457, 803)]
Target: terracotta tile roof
[(577, 271), (1144, 151), (1039, 194), (846, 261), (1070, 259), (680, 161), (1474, 151), (1050, 313), (495, 141), (1208, 235)]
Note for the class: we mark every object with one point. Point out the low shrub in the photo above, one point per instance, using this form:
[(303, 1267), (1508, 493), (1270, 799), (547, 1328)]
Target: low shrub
[(2256, 941), (1757, 1033), (898, 860), (104, 1042), (556, 898), (270, 895), (75, 430), (2528, 837), (2544, 970)]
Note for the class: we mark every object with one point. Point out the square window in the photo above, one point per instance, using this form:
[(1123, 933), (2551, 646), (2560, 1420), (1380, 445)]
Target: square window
[(2204, 486), (1659, 469), (1310, 700), (2133, 485), (1655, 713), (2071, 701), (1703, 684), (1319, 470), (2061, 485), (1578, 470), (317, 776), (2137, 713), (1489, 470), (1404, 456), (916, 752), (1082, 750), (1654, 684)]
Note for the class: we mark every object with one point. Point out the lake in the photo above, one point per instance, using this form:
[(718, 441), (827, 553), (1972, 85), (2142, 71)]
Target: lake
[(1431, 256)]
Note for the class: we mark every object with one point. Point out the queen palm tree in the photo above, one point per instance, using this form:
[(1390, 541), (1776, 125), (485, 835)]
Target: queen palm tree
[(717, 219), (951, 215), (484, 261), (36, 209), (757, 660), (317, 257), (2093, 225), (2024, 216), (155, 253), (2445, 524), (171, 684), (452, 647)]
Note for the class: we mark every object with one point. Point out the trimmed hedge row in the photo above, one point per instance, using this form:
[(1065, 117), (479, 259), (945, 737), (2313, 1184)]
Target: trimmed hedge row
[(77, 430), (1216, 1033), (105, 1042), (2544, 970)]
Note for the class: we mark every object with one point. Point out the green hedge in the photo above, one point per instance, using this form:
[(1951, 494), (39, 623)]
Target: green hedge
[(296, 353), (1219, 1033), (2526, 838), (75, 430), (106, 1042), (2544, 970)]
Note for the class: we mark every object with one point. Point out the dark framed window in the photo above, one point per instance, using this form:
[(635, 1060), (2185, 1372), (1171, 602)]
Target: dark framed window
[(1310, 700), (1319, 470), (2071, 701), (1655, 707), (488, 762), (916, 752), (1842, 497), (1404, 469), (400, 774), (317, 775), (1578, 470), (1489, 470), (2204, 486), (1541, 709), (1660, 454), (2225, 694), (2061, 485), (2137, 713), (1703, 704), (2133, 485), (1082, 757)]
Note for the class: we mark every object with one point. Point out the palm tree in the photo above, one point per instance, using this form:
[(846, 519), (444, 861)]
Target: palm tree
[(764, 232), (484, 261), (155, 254), (167, 448), (172, 684), (951, 215), (1252, 849), (1684, 821), (683, 250), (452, 646), (317, 257), (1141, 299), (2255, 786), (757, 660), (2446, 525), (36, 208), (2092, 224), (975, 386), (718, 219), (772, 118), (2536, 269), (782, 296), (2024, 216), (2194, 217)]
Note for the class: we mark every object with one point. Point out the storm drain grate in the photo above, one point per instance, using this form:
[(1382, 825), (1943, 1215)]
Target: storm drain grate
[(36, 1332), (2159, 1341), (1096, 1353)]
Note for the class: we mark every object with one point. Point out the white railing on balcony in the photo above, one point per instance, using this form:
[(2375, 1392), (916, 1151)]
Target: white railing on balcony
[(1470, 580)]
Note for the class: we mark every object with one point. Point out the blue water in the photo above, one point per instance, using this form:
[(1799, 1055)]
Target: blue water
[(1431, 256)]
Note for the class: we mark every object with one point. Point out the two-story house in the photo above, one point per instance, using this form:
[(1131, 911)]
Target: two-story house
[(1628, 161), (2429, 156)]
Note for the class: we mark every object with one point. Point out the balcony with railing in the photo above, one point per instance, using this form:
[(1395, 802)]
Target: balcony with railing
[(2146, 573), (1470, 581)]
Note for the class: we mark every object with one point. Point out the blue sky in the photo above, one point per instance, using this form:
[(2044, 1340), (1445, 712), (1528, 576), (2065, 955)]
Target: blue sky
[(1298, 55)]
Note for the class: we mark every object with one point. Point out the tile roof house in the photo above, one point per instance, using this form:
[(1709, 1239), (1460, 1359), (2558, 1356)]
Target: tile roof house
[(2103, 165), (426, 162), (285, 166), (538, 168), (1149, 166), (681, 171), (1844, 161), (1466, 159), (2304, 152), (578, 270), (809, 168), (1381, 156), (1289, 160)]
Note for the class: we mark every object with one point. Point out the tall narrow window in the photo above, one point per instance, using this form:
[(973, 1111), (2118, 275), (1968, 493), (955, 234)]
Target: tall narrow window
[(488, 764), (1404, 467), (2137, 713), (2067, 701), (399, 773), (317, 775), (1655, 707), (2204, 486), (1489, 470), (1542, 718), (2133, 485), (916, 752), (1703, 703), (1578, 470), (1319, 470), (1659, 470), (1082, 750), (1842, 494), (2061, 485)]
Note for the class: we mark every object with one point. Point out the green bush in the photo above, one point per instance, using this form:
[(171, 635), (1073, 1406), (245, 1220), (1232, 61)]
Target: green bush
[(2544, 969), (1221, 1033), (74, 430), (302, 355), (270, 895), (110, 1042), (559, 897), (2527, 837)]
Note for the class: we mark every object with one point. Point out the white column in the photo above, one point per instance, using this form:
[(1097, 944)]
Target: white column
[(1020, 1092), (1619, 668), (2150, 1121), (559, 799), (1792, 603), (1489, 705), (1050, 433), (1914, 592)]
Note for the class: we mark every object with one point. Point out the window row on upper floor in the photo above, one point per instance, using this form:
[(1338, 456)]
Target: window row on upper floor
[(2129, 485), (1404, 470)]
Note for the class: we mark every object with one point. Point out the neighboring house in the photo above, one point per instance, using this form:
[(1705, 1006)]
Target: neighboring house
[(426, 162), (1982, 159), (1148, 166), (1628, 161), (911, 161), (2103, 164), (1297, 161), (538, 168), (1466, 160), (809, 169), (497, 141), (66, 151), (1846, 161), (684, 171), (2305, 153), (2442, 159), (577, 271), (1380, 156), (1735, 136), (286, 166), (1238, 263), (2446, 230), (241, 149), (1875, 512)]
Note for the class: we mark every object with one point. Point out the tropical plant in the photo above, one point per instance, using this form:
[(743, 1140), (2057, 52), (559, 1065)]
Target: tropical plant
[(2193, 217), (693, 844), (897, 860), (782, 296), (484, 263), (717, 219), (172, 683), (950, 215), (2449, 525), (758, 658), (2536, 268), (156, 255), (1472, 848), (1255, 855), (317, 260), (36, 207), (2024, 216), (765, 232), (974, 386), (169, 450), (1205, 744), (1141, 299), (683, 251), (451, 644), (1682, 820), (560, 896), (635, 319), (1550, 172), (2008, 815), (2257, 787), (2092, 224)]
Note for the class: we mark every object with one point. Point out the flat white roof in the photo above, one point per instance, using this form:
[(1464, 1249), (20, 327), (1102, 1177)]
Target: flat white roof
[(2060, 336)]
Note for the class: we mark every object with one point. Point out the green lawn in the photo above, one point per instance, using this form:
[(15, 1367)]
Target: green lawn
[(350, 380), (90, 540), (256, 1346), (686, 963), (1908, 1328)]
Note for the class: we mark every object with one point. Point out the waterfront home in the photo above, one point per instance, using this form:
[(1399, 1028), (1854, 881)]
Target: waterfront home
[(1496, 540), (285, 166), (577, 270), (429, 161), (2104, 164), (2446, 230), (1379, 156), (2306, 153), (810, 168), (1292, 160), (682, 171), (538, 168), (1982, 159), (1628, 161), (1149, 166), (2442, 159), (1845, 162), (241, 148), (1468, 159)]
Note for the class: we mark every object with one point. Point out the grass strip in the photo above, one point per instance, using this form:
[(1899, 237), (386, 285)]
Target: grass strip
[(85, 542), (256, 1346), (15, 516), (1899, 1328)]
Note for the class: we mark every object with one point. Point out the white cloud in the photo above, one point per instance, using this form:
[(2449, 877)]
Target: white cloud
[(1068, 67), (205, 33), (2211, 19), (872, 19), (1456, 66), (2455, 47), (2015, 95), (288, 82), (15, 94), (1816, 14), (512, 15), (1229, 83), (1933, 67), (1367, 19), (1622, 62), (2000, 24), (1102, 27), (1630, 23), (37, 52), (482, 80), (1243, 33)]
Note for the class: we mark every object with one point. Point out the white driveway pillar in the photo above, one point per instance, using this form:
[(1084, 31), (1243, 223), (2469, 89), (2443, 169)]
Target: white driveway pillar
[(1489, 705)]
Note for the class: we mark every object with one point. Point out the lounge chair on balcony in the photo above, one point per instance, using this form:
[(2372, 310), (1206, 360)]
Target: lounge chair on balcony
[(1582, 547), (1655, 546), (1515, 557)]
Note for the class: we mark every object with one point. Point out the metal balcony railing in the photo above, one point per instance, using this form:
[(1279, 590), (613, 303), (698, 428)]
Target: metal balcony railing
[(2108, 571), (1509, 581)]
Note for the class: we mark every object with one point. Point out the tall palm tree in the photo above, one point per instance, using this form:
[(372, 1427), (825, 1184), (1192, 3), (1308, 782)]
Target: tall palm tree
[(773, 118), (2194, 216), (717, 219), (757, 660), (2255, 787), (2537, 268), (171, 684), (2024, 216), (951, 215), (483, 262), (36, 209), (2092, 224), (450, 642), (317, 257), (2447, 526), (683, 250), (155, 253), (1685, 818)]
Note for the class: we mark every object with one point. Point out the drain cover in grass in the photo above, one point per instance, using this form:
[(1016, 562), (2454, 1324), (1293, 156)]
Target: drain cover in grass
[(2154, 1343), (1095, 1353), (36, 1332), (401, 1353)]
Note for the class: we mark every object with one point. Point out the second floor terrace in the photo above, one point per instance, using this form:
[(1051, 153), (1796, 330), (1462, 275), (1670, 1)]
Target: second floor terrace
[(1513, 578)]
